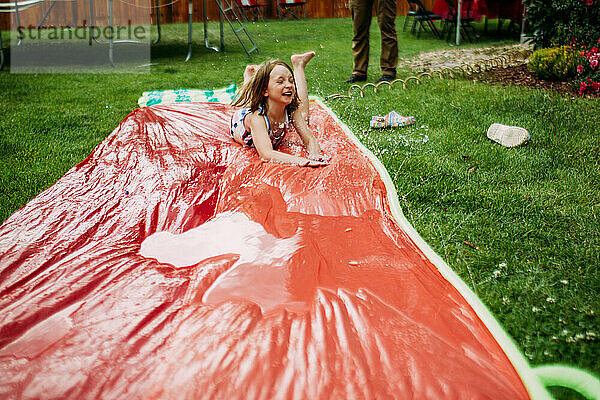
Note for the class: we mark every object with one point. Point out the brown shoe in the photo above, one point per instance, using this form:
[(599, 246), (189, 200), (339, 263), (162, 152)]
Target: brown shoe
[(356, 78), (386, 78)]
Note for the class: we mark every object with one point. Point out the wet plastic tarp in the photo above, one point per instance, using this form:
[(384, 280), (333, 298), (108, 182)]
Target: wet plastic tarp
[(173, 263)]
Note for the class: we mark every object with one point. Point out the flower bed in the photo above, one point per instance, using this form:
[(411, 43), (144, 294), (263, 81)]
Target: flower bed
[(588, 72)]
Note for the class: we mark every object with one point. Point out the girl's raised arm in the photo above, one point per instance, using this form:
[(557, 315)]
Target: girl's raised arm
[(309, 140)]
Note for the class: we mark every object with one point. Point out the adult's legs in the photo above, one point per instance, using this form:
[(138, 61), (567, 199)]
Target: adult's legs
[(386, 18), (361, 21), (299, 62)]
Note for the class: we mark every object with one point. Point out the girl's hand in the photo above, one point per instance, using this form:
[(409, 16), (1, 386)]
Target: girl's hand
[(319, 157), (315, 163)]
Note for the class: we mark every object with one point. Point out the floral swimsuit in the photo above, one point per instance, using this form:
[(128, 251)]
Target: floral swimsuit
[(237, 126)]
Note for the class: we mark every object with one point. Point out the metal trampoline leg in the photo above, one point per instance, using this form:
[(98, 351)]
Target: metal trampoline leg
[(46, 15), (190, 9), (110, 37), (221, 27), (157, 21), (92, 23), (19, 27)]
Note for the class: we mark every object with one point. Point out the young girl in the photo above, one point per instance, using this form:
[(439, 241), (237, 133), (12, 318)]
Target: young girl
[(273, 98)]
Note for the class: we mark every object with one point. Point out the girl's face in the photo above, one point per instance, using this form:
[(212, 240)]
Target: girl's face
[(281, 85)]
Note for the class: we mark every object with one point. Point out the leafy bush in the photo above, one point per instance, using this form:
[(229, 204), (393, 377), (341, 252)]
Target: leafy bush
[(559, 22), (555, 64)]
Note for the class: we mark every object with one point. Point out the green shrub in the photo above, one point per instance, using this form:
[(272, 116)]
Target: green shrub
[(555, 63), (558, 22)]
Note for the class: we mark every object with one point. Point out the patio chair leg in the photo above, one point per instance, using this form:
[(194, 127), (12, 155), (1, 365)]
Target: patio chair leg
[(445, 30), (466, 32), (405, 24), (434, 30), (511, 26), (421, 26)]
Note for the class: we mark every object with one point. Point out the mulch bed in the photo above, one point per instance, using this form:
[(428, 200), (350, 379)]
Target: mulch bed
[(515, 74), (519, 75)]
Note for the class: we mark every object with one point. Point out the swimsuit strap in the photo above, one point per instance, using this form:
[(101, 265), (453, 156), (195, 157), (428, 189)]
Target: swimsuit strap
[(268, 123), (264, 114)]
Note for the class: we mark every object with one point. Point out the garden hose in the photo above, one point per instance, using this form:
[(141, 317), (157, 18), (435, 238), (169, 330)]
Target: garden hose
[(572, 378), (501, 61)]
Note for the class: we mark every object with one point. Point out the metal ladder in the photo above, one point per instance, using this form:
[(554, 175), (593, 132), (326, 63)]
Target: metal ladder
[(228, 10)]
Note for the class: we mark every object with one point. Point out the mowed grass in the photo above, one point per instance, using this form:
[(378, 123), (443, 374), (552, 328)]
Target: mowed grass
[(520, 226)]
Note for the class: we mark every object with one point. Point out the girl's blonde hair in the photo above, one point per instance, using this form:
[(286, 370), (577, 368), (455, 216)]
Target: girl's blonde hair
[(252, 93)]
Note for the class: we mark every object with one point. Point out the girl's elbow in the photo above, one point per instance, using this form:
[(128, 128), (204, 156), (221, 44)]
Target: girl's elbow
[(266, 154)]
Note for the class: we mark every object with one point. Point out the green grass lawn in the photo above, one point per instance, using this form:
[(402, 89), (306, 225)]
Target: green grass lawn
[(520, 226)]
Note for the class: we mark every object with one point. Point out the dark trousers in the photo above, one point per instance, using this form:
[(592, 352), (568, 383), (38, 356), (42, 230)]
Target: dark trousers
[(361, 21)]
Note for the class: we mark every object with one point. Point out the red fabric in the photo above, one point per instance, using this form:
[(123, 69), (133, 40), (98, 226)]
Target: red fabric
[(328, 298), (492, 9), (505, 9), (251, 3)]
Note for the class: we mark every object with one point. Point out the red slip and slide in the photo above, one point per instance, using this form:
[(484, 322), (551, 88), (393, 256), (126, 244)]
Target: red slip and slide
[(173, 263)]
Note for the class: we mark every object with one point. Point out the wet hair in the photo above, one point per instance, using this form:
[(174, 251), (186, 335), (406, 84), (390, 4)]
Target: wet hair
[(252, 93)]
